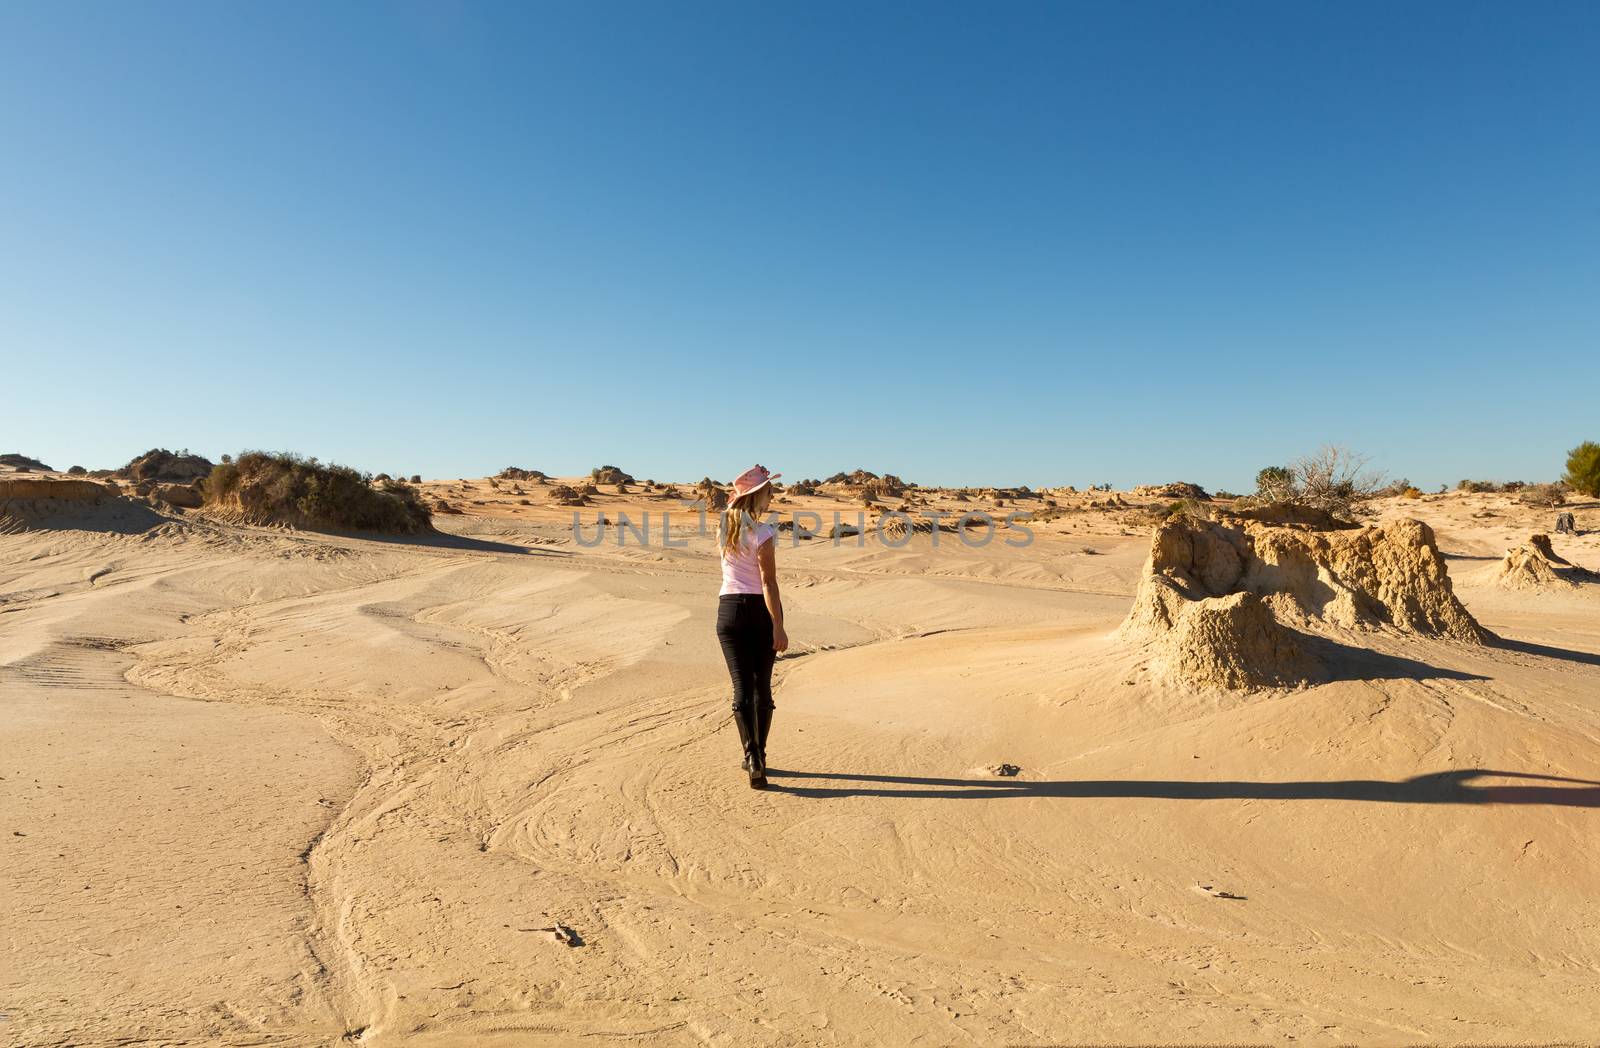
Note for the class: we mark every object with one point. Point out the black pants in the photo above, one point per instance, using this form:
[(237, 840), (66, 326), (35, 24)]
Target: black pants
[(744, 626)]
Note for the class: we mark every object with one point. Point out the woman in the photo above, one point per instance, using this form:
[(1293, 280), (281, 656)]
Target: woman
[(750, 614)]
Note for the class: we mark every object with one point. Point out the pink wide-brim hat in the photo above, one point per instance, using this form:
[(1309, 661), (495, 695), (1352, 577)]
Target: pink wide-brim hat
[(751, 479)]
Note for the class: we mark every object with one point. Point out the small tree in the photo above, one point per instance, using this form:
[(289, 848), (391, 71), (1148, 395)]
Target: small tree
[(1583, 469), (1275, 484)]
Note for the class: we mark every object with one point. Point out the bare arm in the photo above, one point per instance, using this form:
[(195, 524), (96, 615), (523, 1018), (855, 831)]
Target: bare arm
[(768, 558)]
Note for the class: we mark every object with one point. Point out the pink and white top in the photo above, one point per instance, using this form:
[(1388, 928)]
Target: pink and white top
[(741, 569)]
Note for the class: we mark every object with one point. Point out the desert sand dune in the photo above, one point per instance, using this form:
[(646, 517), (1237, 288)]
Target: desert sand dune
[(268, 786)]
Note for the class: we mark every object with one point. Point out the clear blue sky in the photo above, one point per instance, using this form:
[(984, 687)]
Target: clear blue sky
[(1014, 243)]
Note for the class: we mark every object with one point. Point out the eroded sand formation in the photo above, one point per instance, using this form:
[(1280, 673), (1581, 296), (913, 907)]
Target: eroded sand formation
[(1536, 565), (1223, 602)]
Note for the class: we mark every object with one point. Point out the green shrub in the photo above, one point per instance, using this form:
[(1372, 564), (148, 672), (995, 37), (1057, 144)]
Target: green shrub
[(1583, 469), (285, 488), (1275, 484)]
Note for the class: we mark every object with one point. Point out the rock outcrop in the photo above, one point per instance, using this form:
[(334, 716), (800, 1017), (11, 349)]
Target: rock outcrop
[(1535, 565), (565, 495), (1223, 602), (1178, 489), (609, 475), (708, 492), (166, 466), (184, 496), (887, 484)]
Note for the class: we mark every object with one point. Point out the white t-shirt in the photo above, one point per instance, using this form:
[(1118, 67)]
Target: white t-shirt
[(741, 569)]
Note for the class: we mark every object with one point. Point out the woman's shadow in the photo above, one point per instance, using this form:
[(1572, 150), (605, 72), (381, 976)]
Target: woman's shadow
[(1440, 787)]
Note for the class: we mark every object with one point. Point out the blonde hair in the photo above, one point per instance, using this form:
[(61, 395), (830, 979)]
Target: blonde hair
[(747, 508)]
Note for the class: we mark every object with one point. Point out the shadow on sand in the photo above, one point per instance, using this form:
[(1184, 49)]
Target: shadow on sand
[(445, 540), (1440, 787), (1548, 651), (1345, 662)]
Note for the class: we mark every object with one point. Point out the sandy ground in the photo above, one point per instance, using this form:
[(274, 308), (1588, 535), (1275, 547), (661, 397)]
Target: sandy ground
[(264, 787)]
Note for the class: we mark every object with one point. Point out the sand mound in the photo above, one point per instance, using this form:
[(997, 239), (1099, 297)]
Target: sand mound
[(1221, 599), (1233, 642), (262, 488), (27, 505), (517, 473), (566, 495), (610, 475), (23, 464), (184, 496), (714, 497), (163, 465), (1293, 514), (1536, 565), (59, 490)]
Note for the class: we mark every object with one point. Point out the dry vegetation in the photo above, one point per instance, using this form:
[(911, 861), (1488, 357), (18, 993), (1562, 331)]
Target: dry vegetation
[(265, 488)]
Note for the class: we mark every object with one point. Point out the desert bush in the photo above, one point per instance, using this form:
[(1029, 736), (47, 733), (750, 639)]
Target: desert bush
[(1583, 469), (1543, 495), (416, 478), (285, 488), (1394, 488), (1491, 486), (1332, 479), (76, 471), (1335, 479)]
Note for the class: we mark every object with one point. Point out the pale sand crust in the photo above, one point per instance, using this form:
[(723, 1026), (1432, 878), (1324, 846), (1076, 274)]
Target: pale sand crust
[(413, 757)]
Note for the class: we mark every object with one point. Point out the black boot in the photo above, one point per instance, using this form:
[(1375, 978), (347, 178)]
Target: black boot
[(752, 754), (761, 735)]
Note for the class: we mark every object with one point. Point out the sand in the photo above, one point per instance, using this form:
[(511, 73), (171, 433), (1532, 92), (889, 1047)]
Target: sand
[(264, 786)]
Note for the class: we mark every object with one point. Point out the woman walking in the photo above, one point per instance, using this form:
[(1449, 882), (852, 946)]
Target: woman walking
[(750, 613)]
